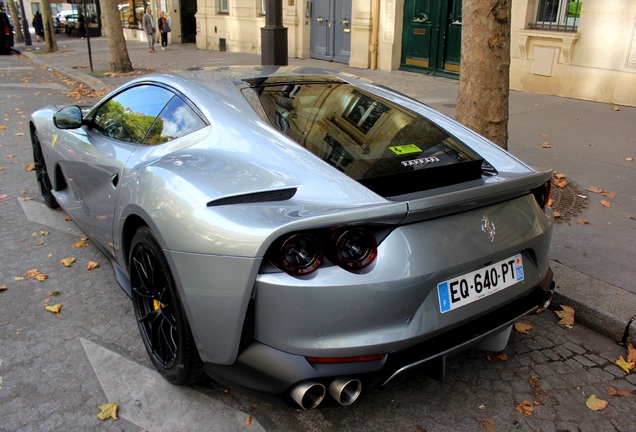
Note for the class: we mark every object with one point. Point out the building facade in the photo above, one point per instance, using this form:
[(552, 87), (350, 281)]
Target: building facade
[(574, 48)]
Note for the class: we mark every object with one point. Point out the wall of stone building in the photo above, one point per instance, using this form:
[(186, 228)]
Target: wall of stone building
[(598, 62)]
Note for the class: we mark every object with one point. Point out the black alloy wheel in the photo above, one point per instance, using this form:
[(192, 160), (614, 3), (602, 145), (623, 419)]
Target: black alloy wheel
[(162, 322), (41, 172)]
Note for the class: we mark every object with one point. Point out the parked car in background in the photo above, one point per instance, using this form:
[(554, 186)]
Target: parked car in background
[(67, 16), (296, 232), (6, 34)]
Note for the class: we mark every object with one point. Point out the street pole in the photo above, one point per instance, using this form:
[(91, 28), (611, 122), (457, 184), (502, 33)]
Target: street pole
[(25, 26), (274, 35), (88, 38)]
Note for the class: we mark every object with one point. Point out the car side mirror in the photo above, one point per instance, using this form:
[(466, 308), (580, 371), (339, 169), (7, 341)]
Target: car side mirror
[(69, 117)]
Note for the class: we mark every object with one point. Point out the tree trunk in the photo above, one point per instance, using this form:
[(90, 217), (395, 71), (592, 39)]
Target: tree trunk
[(117, 50), (17, 25), (49, 28), (484, 84)]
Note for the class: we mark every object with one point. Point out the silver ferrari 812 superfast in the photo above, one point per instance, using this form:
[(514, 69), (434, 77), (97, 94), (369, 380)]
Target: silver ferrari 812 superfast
[(299, 233)]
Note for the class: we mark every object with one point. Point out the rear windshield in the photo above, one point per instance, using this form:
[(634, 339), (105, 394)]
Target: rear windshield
[(384, 146)]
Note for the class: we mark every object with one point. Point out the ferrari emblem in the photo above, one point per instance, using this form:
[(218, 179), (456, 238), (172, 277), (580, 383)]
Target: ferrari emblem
[(488, 228)]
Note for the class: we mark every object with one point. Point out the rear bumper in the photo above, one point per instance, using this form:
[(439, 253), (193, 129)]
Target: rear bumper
[(267, 371)]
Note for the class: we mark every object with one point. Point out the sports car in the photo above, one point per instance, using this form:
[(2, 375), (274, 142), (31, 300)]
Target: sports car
[(298, 233)]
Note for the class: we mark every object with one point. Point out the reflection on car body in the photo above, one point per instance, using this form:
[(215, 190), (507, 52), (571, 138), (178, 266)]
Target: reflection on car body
[(299, 233)]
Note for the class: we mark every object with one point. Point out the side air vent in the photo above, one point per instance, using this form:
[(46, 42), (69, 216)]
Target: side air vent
[(257, 197)]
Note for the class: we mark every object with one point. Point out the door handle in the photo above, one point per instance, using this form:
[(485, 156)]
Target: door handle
[(320, 20), (346, 22)]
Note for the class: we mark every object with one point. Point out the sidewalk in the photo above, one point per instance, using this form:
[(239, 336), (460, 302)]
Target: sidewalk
[(593, 247)]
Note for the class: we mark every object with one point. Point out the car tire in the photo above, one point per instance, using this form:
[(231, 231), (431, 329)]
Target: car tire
[(162, 321), (41, 172)]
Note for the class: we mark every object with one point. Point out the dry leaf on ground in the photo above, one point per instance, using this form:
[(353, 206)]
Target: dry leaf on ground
[(3, 287), (108, 410), (497, 357), (559, 176), (29, 167), (595, 404), (523, 327), (56, 308), (625, 365), (612, 391), (488, 424), (545, 145), (525, 408), (566, 315), (606, 204), (92, 265), (631, 353), (248, 420), (595, 189), (582, 222), (562, 183), (67, 262), (80, 244)]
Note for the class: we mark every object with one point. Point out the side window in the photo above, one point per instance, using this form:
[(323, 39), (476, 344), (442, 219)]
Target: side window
[(176, 120), (129, 115)]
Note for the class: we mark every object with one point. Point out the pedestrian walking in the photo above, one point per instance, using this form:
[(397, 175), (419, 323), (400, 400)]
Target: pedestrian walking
[(38, 25), (148, 23), (164, 29), (81, 21)]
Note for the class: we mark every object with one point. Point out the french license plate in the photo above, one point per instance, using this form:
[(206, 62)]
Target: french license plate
[(465, 289)]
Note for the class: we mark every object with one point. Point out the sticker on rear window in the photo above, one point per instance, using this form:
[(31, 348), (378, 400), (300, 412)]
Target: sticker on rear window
[(405, 149)]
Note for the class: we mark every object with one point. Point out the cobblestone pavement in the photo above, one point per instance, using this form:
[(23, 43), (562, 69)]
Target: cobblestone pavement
[(48, 383)]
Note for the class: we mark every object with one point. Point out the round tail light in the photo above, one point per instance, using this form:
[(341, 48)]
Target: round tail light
[(301, 254), (355, 248)]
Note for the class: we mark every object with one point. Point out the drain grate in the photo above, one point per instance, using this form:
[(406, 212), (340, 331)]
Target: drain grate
[(569, 201)]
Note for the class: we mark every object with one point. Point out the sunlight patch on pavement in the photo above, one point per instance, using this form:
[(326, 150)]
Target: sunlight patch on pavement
[(151, 403), (38, 212)]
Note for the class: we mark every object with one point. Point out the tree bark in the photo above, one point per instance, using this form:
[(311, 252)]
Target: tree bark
[(49, 28), (117, 49), (484, 84), (15, 20)]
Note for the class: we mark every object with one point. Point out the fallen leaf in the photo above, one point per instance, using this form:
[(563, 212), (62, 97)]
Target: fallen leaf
[(80, 244), (42, 277), (19, 134), (609, 194), (55, 293), (582, 222), (543, 135), (27, 199), (497, 357), (67, 262), (39, 243), (625, 365), (44, 233), (68, 219), (631, 353), (108, 410), (29, 167), (248, 420), (488, 424), (18, 278), (606, 204), (2, 127), (30, 274), (557, 214), (525, 408), (566, 315), (563, 183), (629, 159), (3, 287), (523, 327), (616, 108), (56, 308), (595, 404), (546, 145), (92, 265), (595, 189), (559, 176), (612, 391)]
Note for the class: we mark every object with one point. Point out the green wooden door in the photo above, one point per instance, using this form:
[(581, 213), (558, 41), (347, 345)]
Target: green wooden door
[(431, 40)]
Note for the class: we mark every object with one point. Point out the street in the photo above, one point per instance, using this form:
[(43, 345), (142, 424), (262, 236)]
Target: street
[(56, 369)]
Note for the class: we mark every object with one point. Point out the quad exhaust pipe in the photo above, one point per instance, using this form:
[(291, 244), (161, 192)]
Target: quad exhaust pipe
[(308, 395), (345, 391)]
